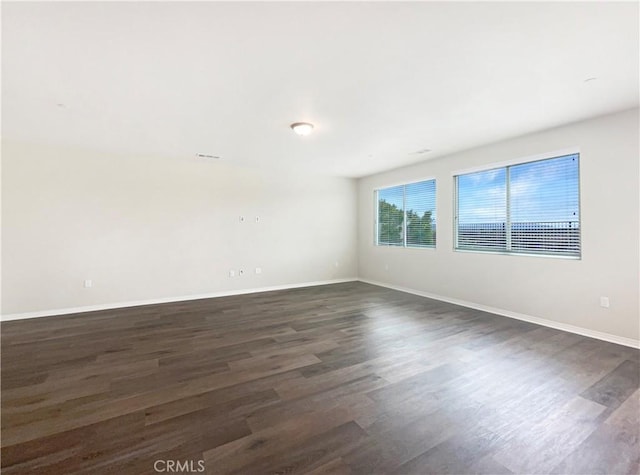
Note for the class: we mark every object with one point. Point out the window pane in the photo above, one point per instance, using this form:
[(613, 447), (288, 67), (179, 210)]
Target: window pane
[(391, 216), (482, 210), (420, 202), (545, 206)]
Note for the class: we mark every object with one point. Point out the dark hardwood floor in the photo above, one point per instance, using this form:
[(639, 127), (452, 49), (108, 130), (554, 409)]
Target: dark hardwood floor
[(346, 378)]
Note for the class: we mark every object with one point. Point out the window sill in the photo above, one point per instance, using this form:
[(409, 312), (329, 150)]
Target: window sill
[(523, 254), (391, 246)]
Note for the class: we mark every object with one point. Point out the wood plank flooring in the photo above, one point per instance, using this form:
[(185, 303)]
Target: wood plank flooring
[(338, 379)]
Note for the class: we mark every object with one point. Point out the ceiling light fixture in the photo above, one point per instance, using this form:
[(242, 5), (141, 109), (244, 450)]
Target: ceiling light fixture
[(302, 128)]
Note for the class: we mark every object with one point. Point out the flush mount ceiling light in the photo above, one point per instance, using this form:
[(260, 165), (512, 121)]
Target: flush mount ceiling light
[(302, 128)]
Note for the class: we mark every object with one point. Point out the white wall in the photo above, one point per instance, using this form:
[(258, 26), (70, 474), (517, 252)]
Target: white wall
[(145, 228), (559, 290)]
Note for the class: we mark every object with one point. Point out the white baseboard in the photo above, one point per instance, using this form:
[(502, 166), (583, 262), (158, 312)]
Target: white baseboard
[(620, 340), (137, 303)]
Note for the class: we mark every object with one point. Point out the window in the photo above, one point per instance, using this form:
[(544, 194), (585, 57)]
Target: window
[(406, 215), (529, 208)]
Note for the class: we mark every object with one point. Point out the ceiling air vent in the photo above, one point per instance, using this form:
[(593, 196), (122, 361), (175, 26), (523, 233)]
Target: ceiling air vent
[(207, 156)]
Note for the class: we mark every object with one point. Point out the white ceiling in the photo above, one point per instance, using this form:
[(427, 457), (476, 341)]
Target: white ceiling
[(378, 80)]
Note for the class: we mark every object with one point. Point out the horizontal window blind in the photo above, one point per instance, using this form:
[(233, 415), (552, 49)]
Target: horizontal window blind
[(530, 208), (420, 205), (406, 215), (545, 206), (391, 216), (482, 210)]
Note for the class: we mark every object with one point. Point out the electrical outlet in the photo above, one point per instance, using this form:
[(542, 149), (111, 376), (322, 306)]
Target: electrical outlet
[(604, 302), (257, 219), (88, 283), (241, 272), (241, 219), (232, 273), (258, 270)]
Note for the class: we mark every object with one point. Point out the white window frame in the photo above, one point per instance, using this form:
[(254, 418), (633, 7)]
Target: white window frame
[(506, 164), (404, 234)]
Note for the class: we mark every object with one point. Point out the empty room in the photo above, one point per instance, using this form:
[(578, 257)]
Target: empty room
[(320, 238)]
